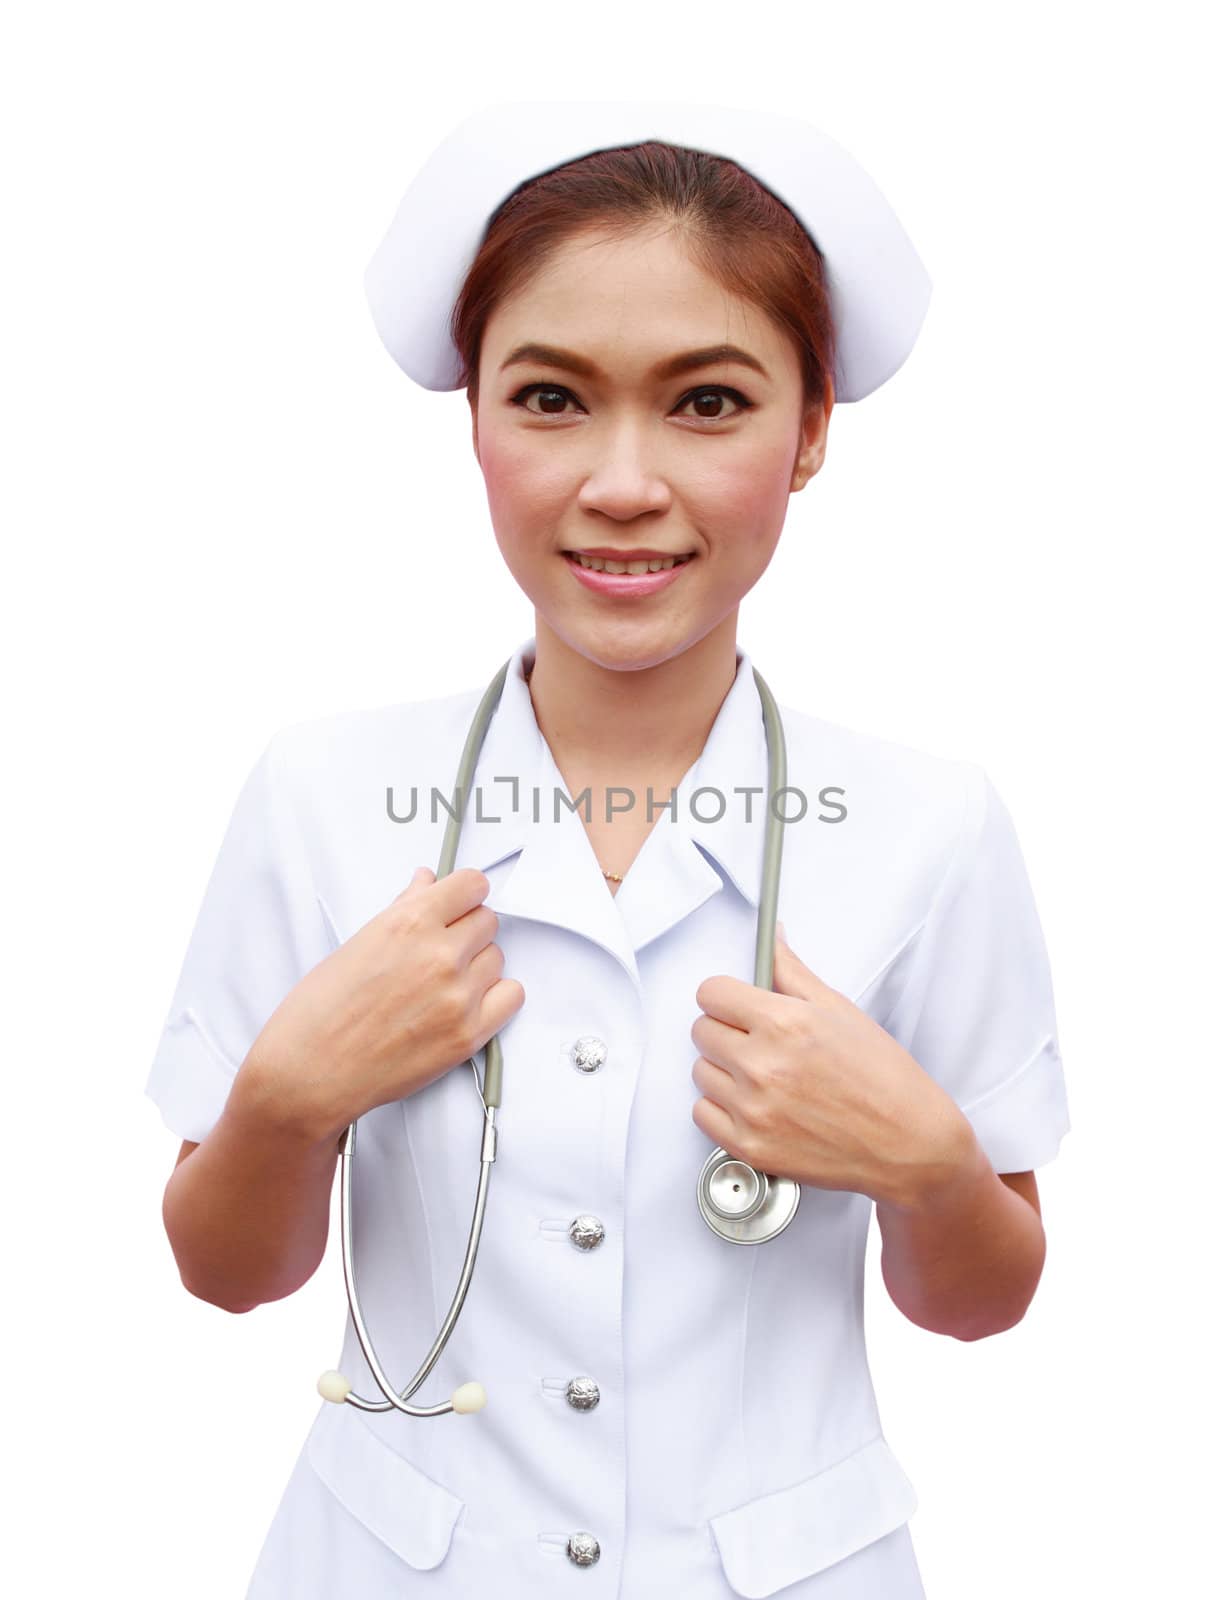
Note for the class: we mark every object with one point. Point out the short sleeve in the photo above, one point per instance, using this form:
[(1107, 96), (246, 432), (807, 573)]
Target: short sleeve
[(258, 931), (978, 1010)]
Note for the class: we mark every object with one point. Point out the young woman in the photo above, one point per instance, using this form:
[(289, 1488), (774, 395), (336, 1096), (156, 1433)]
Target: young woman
[(653, 311)]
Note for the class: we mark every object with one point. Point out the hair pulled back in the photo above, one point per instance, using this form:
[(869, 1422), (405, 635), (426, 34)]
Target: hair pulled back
[(735, 228)]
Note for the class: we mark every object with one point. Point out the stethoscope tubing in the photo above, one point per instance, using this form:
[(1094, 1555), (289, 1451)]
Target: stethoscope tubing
[(393, 1400), (490, 1091)]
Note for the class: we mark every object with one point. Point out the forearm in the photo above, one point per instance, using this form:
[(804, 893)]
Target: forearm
[(965, 1257), (247, 1212)]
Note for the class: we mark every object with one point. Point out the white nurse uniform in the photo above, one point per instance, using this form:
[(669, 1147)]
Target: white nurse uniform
[(725, 1438)]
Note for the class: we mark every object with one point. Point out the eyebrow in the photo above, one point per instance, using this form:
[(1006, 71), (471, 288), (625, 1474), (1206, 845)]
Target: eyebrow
[(674, 366)]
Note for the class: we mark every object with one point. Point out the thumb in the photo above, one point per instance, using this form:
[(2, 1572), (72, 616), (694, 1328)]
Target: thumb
[(791, 976)]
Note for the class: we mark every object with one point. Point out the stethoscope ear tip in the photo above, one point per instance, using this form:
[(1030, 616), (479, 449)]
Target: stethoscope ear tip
[(334, 1386), (468, 1397)]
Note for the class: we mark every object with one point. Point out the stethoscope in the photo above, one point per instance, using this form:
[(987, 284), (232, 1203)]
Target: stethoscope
[(737, 1201)]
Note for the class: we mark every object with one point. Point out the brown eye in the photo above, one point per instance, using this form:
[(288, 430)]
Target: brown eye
[(705, 398), (553, 399)]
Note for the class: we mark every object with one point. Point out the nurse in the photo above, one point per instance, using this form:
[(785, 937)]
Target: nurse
[(653, 310)]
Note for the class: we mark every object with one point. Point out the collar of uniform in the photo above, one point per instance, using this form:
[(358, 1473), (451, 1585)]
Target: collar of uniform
[(512, 758), (556, 878)]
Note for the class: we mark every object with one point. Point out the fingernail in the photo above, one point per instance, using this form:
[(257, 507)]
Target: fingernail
[(782, 931)]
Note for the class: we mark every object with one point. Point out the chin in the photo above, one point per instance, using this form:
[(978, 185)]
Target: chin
[(624, 644)]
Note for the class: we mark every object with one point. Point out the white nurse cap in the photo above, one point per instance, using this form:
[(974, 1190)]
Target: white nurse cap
[(878, 287)]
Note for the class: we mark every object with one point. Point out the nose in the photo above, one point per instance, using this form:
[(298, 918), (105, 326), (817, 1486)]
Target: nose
[(622, 479)]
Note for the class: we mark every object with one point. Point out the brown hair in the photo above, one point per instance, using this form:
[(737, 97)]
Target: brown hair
[(737, 230)]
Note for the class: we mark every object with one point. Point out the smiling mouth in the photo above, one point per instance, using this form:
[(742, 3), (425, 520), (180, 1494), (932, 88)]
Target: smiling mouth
[(634, 568)]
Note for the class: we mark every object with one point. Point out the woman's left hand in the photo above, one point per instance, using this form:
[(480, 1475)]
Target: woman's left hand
[(802, 1084)]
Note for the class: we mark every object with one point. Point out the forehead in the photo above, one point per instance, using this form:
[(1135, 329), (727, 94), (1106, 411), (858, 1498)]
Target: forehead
[(645, 292)]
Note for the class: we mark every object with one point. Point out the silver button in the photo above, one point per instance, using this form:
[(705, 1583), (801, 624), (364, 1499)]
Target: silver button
[(586, 1232), (583, 1393), (583, 1549), (589, 1053)]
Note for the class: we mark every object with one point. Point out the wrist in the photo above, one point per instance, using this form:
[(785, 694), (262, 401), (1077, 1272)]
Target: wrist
[(284, 1104), (945, 1162)]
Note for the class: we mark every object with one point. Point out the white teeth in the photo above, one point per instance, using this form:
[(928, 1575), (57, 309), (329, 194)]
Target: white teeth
[(595, 564)]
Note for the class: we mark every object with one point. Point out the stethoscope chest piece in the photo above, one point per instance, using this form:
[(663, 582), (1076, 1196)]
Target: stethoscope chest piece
[(742, 1204)]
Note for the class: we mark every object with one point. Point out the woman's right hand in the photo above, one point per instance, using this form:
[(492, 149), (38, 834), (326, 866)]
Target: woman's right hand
[(413, 993)]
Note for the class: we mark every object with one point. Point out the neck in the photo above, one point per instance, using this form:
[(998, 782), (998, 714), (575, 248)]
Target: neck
[(630, 721)]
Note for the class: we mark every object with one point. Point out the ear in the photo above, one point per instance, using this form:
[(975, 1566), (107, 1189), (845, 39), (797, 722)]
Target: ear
[(814, 430)]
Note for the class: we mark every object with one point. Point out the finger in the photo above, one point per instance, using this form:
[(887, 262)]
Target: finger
[(714, 1082), (416, 886), (792, 977), (720, 1043), (715, 1123), (454, 894), (464, 889), (475, 931), (731, 1000), (486, 967), (498, 1006)]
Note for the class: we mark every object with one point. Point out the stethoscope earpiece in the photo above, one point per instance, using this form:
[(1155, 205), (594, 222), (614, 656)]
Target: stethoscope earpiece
[(334, 1386)]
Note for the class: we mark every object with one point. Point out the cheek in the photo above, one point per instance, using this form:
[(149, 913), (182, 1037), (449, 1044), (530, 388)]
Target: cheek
[(520, 482), (744, 514), (527, 501), (747, 488)]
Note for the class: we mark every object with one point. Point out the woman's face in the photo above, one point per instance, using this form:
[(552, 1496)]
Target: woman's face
[(587, 443)]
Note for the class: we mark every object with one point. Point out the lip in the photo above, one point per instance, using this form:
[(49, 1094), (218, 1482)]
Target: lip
[(607, 553), (626, 585)]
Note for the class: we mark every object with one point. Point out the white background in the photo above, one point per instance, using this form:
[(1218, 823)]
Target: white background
[(225, 510)]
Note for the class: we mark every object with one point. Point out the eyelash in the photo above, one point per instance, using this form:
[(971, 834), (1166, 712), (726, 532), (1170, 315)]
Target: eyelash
[(557, 388)]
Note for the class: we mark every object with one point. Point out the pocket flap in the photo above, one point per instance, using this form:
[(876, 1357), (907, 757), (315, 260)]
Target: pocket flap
[(790, 1534), (393, 1498)]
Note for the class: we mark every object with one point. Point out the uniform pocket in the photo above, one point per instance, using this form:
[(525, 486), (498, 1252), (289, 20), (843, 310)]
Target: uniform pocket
[(403, 1507), (779, 1538)]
